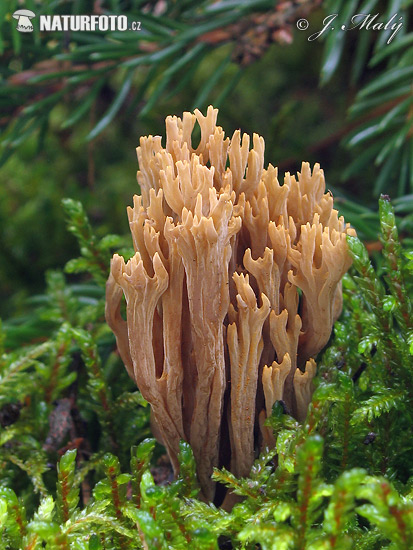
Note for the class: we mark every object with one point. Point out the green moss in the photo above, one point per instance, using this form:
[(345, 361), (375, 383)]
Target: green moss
[(68, 392)]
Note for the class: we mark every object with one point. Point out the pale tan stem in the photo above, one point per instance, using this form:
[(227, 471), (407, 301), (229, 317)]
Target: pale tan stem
[(245, 345)]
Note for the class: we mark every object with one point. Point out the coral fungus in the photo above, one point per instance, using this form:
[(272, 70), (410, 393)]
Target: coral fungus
[(233, 290)]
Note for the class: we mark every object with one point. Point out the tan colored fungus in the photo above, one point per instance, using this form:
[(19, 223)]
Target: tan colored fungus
[(233, 290)]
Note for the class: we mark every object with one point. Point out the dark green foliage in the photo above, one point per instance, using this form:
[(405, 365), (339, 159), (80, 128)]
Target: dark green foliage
[(67, 497), (94, 257), (382, 110), (181, 66), (102, 76), (168, 46)]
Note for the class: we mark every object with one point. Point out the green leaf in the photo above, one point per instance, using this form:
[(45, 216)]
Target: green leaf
[(85, 105), (410, 343), (363, 45), (114, 108), (123, 478), (385, 172), (67, 462), (363, 159), (202, 97), (153, 58), (46, 508), (361, 106), (229, 88), (388, 78), (94, 543), (341, 507), (387, 510), (393, 113), (153, 533), (67, 492), (393, 7), (270, 536), (3, 511), (377, 405), (361, 135), (168, 74), (48, 102), (389, 303), (390, 49), (335, 42), (393, 144)]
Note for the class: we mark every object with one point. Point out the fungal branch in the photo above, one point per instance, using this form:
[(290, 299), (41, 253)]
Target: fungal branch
[(233, 290)]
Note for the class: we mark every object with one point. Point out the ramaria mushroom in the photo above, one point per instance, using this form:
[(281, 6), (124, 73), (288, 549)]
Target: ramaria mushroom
[(233, 290), (23, 16)]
